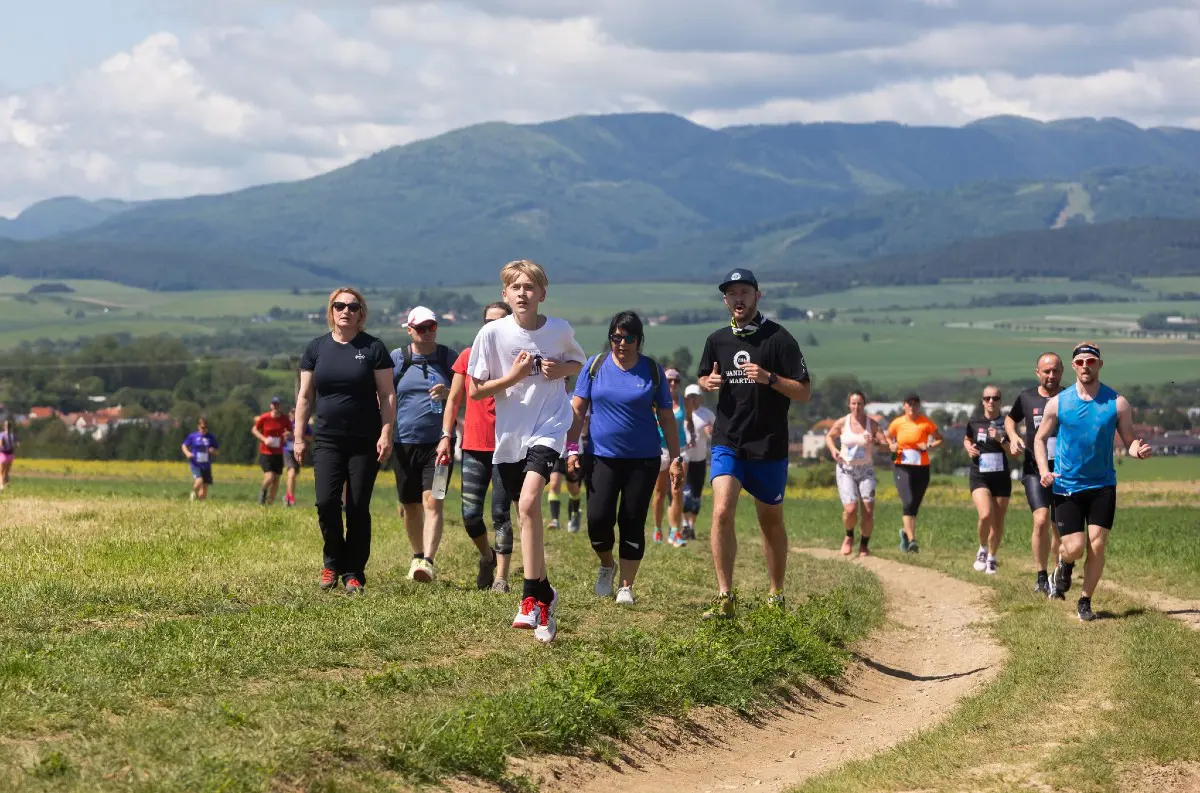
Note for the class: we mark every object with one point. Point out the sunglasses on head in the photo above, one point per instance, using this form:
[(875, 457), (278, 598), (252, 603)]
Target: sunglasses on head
[(1085, 361), (353, 308), (425, 327), (617, 338)]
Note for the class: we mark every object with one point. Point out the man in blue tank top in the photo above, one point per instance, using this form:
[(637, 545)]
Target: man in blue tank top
[(1085, 417)]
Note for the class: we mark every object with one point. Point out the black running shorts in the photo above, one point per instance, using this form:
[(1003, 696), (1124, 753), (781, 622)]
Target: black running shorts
[(413, 464), (1074, 513), (538, 460), (1038, 495), (998, 484), (271, 463)]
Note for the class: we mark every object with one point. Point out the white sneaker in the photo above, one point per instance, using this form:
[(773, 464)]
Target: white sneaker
[(991, 565), (553, 524), (547, 628), (573, 524), (981, 561), (625, 596), (425, 572), (527, 615), (413, 567), (553, 601), (604, 581)]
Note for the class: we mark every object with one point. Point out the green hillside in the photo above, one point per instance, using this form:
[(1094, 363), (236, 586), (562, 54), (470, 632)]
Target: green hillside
[(59, 216)]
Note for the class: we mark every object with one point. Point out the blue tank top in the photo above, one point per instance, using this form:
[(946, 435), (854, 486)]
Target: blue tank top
[(1085, 441)]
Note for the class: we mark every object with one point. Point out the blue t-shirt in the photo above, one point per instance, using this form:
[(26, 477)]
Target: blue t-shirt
[(200, 444), (1084, 460), (289, 441), (624, 424), (416, 422)]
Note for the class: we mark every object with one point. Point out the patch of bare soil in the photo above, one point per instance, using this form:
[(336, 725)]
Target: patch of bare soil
[(1181, 609)]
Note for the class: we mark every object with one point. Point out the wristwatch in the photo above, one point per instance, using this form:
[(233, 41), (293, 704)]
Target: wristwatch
[(449, 435), (772, 378)]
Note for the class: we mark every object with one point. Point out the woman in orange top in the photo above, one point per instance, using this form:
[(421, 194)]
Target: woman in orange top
[(911, 436)]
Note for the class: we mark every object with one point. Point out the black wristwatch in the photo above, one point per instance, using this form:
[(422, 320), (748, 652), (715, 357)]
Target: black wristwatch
[(772, 379)]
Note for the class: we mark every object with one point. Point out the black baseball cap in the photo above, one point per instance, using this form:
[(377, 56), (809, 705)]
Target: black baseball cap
[(739, 275)]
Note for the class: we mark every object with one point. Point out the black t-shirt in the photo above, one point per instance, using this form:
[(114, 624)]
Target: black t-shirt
[(344, 377), (752, 419), (1029, 408), (977, 432)]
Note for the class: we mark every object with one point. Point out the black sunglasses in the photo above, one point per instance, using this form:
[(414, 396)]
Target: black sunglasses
[(617, 338), (353, 308), (991, 399)]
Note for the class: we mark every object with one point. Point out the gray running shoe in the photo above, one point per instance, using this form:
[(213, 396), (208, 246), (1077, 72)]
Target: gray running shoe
[(500, 586), (1084, 610), (604, 581), (903, 541), (487, 572), (573, 524)]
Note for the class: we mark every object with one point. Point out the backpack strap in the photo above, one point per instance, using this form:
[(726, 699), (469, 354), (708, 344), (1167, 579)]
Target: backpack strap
[(596, 363), (441, 360)]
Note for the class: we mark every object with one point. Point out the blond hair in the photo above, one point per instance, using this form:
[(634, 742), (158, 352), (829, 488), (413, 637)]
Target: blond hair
[(520, 267), (1088, 344), (362, 301)]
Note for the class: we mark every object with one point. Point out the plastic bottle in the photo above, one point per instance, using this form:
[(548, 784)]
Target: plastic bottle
[(438, 407), (441, 478)]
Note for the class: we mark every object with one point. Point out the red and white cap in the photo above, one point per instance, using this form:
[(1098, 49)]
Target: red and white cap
[(420, 315)]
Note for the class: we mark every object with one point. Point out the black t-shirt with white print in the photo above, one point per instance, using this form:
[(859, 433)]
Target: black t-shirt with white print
[(992, 458), (344, 380), (1029, 408), (752, 419)]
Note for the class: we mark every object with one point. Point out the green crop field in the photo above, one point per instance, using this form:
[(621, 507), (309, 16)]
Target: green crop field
[(147, 643)]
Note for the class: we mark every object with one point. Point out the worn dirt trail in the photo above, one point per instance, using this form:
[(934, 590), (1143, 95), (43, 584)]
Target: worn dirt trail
[(934, 649), (1181, 609)]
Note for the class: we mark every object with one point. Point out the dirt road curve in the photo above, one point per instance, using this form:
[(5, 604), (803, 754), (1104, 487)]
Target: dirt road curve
[(933, 651)]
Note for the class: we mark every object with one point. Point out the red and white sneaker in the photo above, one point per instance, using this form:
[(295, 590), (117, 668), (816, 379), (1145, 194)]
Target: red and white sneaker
[(658, 535), (527, 618), (547, 626)]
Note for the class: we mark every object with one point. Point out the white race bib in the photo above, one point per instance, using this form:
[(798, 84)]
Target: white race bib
[(274, 442), (200, 457), (853, 453), (1051, 447), (991, 462), (910, 456)]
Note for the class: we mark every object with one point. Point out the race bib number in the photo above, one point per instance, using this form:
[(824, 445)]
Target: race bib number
[(910, 456), (200, 458), (1051, 447), (274, 442), (991, 463), (853, 453)]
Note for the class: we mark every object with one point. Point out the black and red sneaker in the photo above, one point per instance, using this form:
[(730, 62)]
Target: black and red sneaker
[(354, 585), (328, 578)]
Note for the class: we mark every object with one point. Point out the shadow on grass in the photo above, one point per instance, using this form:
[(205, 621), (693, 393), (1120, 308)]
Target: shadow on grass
[(1126, 614), (891, 671)]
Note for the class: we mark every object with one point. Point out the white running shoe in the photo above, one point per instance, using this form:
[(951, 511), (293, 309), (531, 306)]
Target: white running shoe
[(981, 561), (625, 596), (991, 565), (424, 572), (573, 524), (547, 626), (528, 615), (413, 567), (604, 581), (553, 524)]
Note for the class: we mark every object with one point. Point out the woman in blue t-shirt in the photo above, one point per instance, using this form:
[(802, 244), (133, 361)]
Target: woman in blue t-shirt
[(200, 448), (627, 396)]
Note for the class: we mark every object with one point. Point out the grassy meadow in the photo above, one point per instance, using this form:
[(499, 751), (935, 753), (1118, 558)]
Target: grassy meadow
[(149, 643)]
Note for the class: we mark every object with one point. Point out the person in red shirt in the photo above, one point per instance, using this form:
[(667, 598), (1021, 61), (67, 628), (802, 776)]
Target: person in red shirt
[(270, 429), (479, 441)]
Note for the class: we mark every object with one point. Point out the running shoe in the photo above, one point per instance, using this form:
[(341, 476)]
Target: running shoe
[(722, 607), (553, 524), (776, 601), (604, 581), (913, 547), (903, 541), (658, 535), (553, 601), (289, 501), (689, 531), (1043, 584), (1062, 580), (863, 551), (354, 585), (500, 586), (328, 579), (413, 567), (573, 524), (625, 596), (424, 572), (991, 566), (529, 614), (487, 572), (547, 627), (1084, 610), (981, 560), (847, 545), (191, 495)]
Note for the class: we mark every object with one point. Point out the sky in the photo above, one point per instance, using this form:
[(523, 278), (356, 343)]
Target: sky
[(140, 99)]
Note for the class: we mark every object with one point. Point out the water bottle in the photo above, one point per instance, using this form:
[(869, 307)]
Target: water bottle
[(437, 405), (441, 478)]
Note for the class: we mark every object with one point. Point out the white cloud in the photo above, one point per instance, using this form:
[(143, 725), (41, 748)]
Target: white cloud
[(252, 96)]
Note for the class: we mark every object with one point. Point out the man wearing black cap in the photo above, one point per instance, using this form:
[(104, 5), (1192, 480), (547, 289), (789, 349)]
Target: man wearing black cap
[(270, 429), (757, 370)]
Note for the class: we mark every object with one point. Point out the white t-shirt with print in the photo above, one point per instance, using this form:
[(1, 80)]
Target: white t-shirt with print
[(535, 411), (702, 419)]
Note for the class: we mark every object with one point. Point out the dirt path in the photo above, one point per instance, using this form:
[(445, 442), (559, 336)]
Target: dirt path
[(1185, 611), (932, 651)]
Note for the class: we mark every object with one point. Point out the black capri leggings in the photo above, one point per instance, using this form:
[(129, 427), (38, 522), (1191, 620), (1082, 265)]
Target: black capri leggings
[(477, 473), (911, 483), (632, 482), (353, 462)]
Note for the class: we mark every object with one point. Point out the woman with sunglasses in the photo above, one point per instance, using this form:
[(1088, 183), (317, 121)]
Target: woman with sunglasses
[(627, 395), (910, 437), (348, 374), (665, 485), (990, 479)]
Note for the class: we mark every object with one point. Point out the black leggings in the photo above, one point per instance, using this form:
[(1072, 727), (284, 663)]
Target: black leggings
[(355, 463), (632, 482), (477, 473), (911, 482)]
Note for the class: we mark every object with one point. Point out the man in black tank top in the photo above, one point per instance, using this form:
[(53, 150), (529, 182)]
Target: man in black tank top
[(1029, 409)]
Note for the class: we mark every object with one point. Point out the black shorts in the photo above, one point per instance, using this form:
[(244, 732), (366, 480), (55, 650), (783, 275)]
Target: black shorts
[(560, 467), (998, 484), (271, 463), (695, 478), (539, 460), (1038, 495), (413, 464), (1096, 507), (289, 461), (203, 473)]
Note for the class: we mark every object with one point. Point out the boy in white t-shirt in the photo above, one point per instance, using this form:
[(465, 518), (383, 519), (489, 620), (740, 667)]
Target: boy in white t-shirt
[(518, 360)]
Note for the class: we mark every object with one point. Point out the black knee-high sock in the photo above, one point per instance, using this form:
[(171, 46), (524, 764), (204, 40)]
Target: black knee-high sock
[(573, 507), (555, 506)]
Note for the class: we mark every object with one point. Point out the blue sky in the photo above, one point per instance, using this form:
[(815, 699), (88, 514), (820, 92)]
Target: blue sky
[(142, 99)]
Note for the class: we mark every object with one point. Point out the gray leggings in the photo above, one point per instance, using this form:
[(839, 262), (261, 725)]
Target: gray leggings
[(911, 483), (477, 473)]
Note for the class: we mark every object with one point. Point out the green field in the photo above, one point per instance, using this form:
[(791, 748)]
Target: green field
[(151, 644)]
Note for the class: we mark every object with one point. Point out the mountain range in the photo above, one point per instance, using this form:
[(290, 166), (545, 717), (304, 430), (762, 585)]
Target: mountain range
[(621, 197)]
